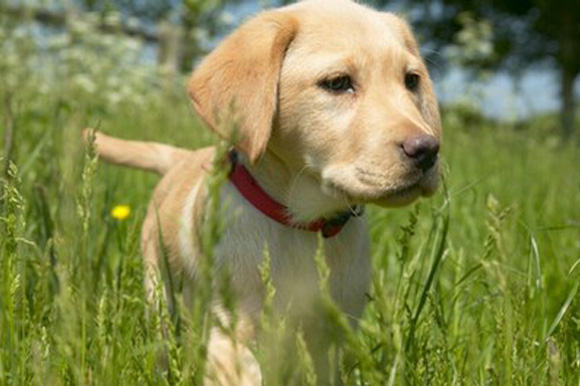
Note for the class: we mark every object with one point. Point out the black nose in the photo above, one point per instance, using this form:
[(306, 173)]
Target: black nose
[(423, 150)]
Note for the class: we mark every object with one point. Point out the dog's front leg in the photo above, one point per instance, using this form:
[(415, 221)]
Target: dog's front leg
[(230, 361)]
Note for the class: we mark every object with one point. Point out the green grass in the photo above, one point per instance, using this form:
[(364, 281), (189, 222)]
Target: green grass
[(477, 285)]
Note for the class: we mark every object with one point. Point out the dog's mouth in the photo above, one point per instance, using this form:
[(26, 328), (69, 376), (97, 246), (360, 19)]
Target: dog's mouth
[(401, 196), (363, 187)]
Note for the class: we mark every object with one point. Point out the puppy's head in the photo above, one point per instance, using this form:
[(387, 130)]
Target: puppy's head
[(334, 88)]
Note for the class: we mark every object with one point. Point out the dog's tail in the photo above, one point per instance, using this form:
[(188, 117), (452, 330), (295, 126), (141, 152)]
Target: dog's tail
[(149, 156)]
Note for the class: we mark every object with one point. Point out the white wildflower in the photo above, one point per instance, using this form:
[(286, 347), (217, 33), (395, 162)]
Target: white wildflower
[(227, 18), (59, 41), (114, 98), (85, 83), (113, 19)]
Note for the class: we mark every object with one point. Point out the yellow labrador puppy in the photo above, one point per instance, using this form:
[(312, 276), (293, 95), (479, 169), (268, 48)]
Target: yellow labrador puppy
[(335, 110)]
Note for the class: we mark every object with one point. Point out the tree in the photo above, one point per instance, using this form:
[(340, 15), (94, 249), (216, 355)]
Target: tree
[(198, 20), (525, 33), (191, 23)]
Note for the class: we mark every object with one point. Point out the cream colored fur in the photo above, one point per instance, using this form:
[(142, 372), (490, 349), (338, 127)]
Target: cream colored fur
[(316, 151)]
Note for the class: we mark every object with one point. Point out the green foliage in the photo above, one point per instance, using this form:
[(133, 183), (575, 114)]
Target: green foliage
[(473, 43), (521, 32), (477, 285)]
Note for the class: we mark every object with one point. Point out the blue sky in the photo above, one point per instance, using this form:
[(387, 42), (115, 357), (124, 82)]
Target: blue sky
[(536, 92)]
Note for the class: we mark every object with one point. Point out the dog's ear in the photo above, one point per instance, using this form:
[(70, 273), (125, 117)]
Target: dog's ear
[(237, 84)]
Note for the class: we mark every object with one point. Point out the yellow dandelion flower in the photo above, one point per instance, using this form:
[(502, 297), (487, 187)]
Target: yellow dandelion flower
[(121, 212)]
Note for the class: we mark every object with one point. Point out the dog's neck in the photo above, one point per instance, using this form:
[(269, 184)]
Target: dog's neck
[(296, 188)]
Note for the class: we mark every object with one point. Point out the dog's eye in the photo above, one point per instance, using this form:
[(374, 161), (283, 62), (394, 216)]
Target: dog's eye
[(339, 84), (412, 81)]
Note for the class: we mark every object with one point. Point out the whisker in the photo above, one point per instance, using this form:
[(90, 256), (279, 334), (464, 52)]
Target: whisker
[(294, 183)]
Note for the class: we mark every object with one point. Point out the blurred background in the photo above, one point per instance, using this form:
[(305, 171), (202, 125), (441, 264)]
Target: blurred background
[(503, 59)]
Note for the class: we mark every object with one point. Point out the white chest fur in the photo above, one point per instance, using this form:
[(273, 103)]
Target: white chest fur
[(249, 233)]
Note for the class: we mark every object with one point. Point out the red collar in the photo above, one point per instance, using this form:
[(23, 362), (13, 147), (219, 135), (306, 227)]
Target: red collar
[(248, 187)]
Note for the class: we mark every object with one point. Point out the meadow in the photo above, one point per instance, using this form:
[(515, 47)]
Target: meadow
[(477, 285)]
